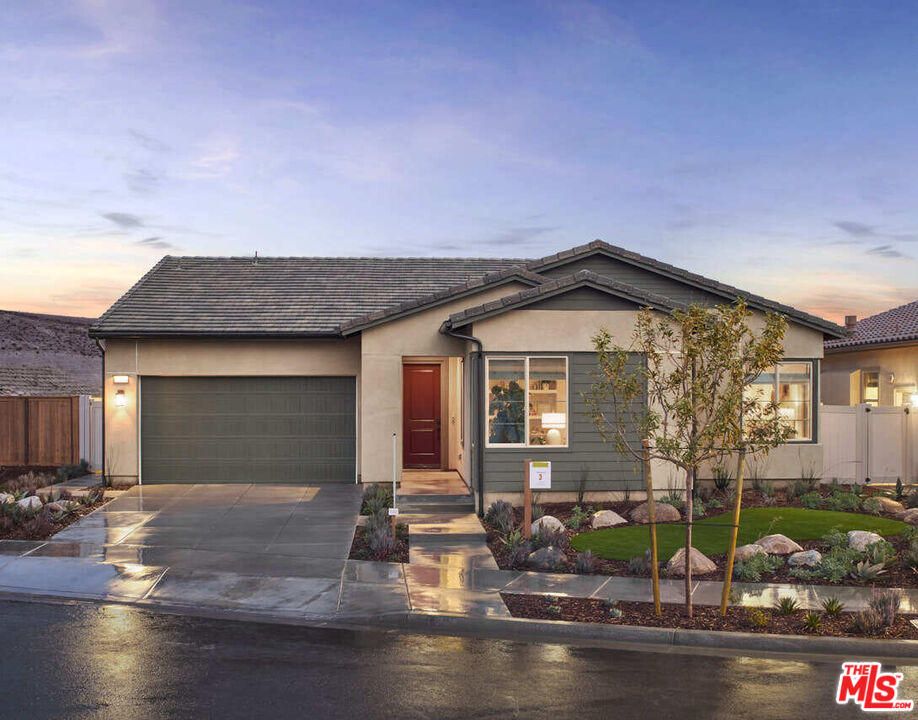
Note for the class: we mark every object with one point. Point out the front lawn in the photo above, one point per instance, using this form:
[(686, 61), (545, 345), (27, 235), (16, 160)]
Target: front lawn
[(711, 536)]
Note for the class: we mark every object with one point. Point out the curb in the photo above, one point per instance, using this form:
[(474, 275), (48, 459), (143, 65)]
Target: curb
[(631, 637)]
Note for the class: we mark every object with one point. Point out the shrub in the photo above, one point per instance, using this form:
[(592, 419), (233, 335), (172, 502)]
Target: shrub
[(787, 606), (582, 484), (836, 564), (867, 622), (512, 539), (756, 617), (698, 509), (378, 520), (833, 606), (880, 553), (911, 556), (577, 518), (585, 563), (842, 501), (549, 538), (865, 571), (900, 491), (722, 478), (376, 497), (40, 525), (611, 607), (520, 553), (756, 566), (673, 499), (812, 500), (871, 505), (380, 541), (640, 564), (715, 504), (835, 538), (65, 472), (885, 603), (500, 515), (537, 511), (812, 622), (911, 501)]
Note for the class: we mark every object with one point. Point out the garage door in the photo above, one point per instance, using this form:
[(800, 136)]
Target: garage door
[(248, 429)]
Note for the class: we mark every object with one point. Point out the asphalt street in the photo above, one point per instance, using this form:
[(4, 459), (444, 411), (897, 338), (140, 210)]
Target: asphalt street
[(84, 660)]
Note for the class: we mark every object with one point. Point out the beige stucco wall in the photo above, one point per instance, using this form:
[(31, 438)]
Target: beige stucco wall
[(899, 362), (383, 350), (205, 358)]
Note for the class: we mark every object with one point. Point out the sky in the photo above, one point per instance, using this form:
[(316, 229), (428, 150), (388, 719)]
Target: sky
[(772, 146)]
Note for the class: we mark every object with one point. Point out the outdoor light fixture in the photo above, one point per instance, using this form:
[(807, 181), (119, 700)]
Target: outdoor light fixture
[(554, 423), (121, 379), (120, 398)]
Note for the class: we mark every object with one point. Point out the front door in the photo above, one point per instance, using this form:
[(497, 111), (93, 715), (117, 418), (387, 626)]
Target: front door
[(421, 408)]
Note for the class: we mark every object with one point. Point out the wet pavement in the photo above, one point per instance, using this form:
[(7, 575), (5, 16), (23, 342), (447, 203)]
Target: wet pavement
[(83, 661)]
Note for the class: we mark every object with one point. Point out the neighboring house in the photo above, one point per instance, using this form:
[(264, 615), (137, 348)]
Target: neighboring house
[(48, 355), (876, 363), (317, 369)]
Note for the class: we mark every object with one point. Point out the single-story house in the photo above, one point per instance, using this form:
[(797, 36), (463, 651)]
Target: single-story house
[(876, 363), (224, 369)]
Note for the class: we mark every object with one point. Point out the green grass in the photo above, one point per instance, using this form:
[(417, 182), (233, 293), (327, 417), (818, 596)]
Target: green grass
[(624, 543)]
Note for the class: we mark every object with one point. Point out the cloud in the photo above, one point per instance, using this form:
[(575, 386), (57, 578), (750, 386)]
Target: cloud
[(156, 242), (147, 142), (125, 220), (594, 23), (141, 181), (855, 229), (216, 161), (521, 235), (887, 251)]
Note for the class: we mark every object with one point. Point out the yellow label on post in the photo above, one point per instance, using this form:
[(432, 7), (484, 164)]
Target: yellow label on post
[(540, 475)]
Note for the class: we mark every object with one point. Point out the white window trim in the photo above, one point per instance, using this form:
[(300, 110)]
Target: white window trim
[(487, 401)]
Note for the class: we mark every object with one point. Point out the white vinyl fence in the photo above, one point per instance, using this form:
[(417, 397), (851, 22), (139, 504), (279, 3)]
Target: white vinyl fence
[(865, 444), (91, 431)]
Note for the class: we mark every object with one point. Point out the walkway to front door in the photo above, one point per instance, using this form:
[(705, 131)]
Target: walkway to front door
[(432, 482), (421, 408)]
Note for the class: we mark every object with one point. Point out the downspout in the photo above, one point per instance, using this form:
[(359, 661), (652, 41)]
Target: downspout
[(477, 387), (104, 423)]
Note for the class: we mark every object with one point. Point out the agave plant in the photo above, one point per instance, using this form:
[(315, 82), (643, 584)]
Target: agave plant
[(787, 605), (865, 571), (812, 622), (833, 606)]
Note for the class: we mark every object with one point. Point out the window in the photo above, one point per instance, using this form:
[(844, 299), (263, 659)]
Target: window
[(905, 395), (527, 401), (791, 385), (870, 390)]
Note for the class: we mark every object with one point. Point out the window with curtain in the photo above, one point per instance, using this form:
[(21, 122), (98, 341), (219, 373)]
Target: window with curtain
[(527, 401), (790, 384)]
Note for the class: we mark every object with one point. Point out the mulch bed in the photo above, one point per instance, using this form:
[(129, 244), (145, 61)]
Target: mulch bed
[(21, 533), (738, 619), (897, 575), (10, 472), (360, 550)]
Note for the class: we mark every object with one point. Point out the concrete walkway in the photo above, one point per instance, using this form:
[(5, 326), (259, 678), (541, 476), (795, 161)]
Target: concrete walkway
[(282, 550)]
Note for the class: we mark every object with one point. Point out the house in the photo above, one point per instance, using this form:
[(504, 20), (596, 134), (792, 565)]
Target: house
[(876, 363), (224, 369)]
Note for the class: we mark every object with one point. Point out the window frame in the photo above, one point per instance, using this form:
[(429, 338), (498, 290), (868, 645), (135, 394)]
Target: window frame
[(814, 397), (487, 402)]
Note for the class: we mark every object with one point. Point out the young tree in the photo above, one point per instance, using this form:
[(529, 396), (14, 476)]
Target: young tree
[(687, 397)]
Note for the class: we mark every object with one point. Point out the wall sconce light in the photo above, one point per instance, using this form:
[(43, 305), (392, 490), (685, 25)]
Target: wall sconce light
[(120, 398), (121, 379)]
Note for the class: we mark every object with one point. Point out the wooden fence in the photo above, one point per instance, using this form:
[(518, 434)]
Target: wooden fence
[(39, 430)]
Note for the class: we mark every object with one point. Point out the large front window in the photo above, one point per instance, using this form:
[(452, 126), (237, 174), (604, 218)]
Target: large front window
[(790, 384), (527, 401)]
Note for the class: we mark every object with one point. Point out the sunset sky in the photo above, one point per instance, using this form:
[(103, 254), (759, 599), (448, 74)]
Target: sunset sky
[(773, 146)]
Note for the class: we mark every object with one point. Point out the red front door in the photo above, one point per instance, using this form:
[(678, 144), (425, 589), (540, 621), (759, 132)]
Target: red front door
[(421, 408)]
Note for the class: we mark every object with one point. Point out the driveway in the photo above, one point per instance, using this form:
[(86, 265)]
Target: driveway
[(246, 546)]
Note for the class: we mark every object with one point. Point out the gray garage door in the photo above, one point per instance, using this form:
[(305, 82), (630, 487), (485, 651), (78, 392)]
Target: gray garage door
[(248, 429)]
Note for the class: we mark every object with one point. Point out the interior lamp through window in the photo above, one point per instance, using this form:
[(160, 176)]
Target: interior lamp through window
[(554, 423)]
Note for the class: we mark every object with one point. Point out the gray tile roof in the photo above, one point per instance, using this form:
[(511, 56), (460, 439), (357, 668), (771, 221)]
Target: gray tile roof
[(43, 381), (582, 278), (279, 296), (898, 325)]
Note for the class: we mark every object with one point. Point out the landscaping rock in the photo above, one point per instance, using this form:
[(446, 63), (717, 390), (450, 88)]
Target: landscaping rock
[(663, 511), (744, 552), (606, 518), (701, 564), (860, 539), (6, 498), (910, 516), (60, 505), (29, 503), (547, 522), (888, 505), (778, 545), (807, 558), (547, 558)]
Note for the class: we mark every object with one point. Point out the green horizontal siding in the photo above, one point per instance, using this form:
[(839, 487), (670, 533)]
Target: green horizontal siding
[(608, 468)]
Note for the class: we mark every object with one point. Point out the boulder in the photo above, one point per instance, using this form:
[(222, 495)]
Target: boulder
[(546, 558), (663, 511), (60, 505), (910, 516), (860, 539), (807, 558), (778, 545), (30, 503), (547, 522), (701, 564), (6, 498), (888, 505), (606, 518), (744, 552)]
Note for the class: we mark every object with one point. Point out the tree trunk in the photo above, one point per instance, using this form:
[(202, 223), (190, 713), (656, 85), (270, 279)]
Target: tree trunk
[(689, 512), (734, 533)]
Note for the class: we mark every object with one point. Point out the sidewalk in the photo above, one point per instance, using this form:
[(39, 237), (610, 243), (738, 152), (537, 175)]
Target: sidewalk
[(450, 573)]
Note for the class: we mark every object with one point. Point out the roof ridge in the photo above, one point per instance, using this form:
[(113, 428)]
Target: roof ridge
[(251, 258)]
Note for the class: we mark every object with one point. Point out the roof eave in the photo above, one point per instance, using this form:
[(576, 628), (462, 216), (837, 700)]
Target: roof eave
[(171, 335)]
